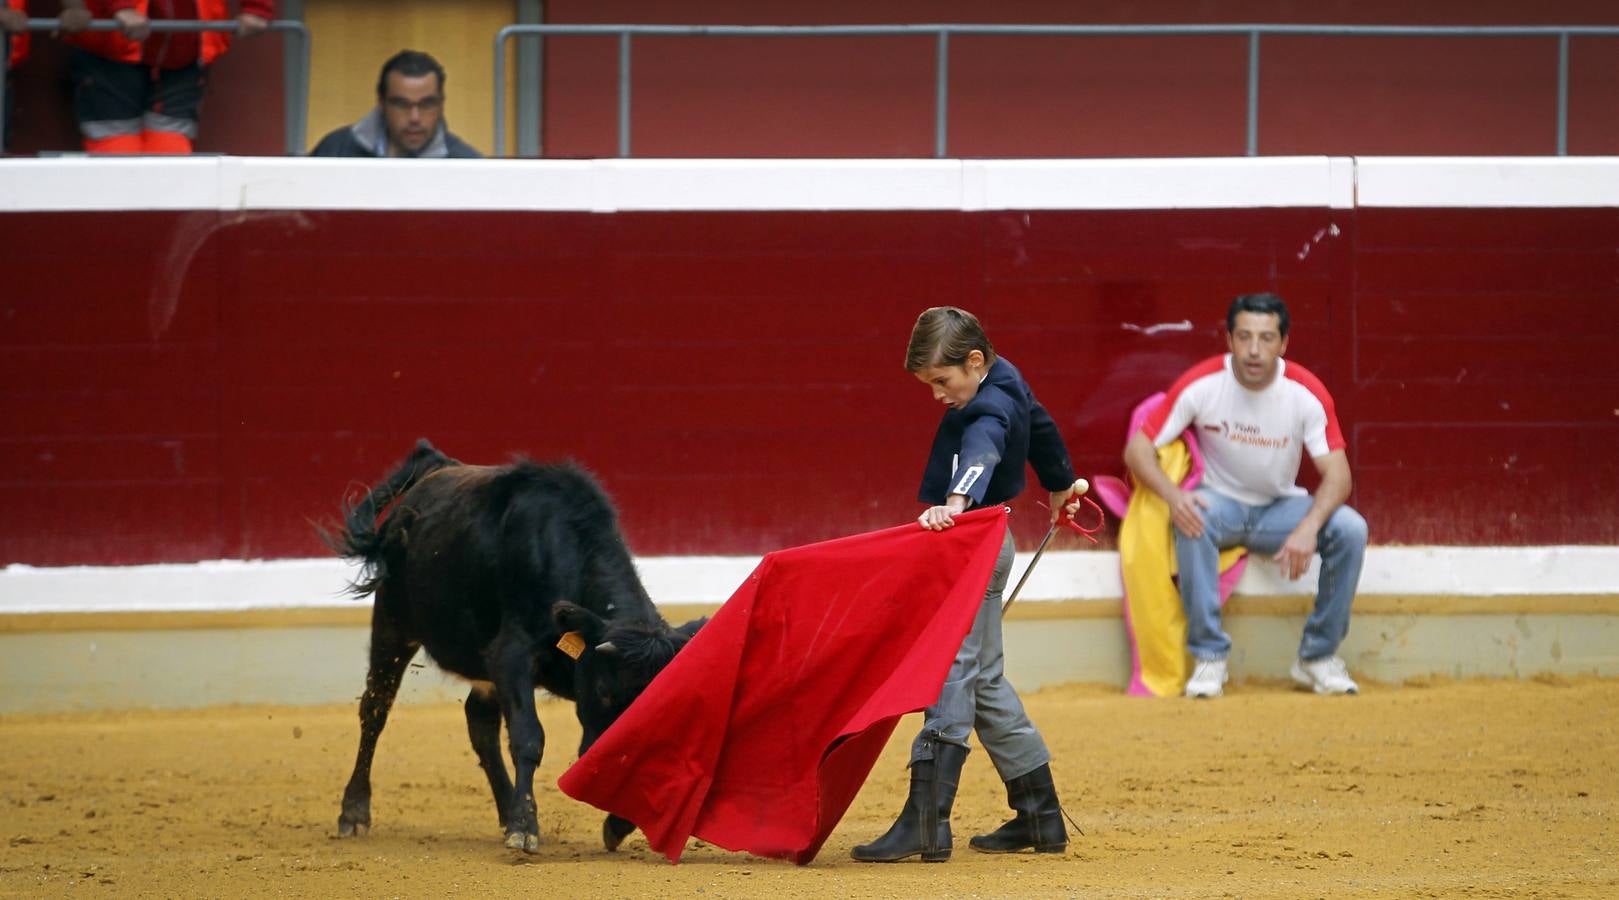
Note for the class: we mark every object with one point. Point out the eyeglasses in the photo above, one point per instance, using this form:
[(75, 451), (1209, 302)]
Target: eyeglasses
[(426, 104)]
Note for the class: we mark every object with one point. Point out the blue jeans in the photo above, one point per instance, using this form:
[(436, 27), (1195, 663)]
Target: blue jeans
[(1262, 529)]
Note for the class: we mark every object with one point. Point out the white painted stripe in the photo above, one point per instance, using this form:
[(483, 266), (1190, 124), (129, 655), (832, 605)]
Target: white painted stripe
[(1157, 183), (397, 184), (746, 184), (72, 184), (253, 183), (227, 585), (1470, 182)]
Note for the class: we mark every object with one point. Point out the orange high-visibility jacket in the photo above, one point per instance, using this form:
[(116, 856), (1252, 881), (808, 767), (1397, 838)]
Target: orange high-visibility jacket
[(19, 41), (171, 50)]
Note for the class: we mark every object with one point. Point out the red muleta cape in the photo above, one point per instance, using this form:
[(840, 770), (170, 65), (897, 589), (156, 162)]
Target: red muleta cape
[(759, 734)]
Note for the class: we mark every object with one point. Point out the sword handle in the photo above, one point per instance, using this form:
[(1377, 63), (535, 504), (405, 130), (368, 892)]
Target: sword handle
[(1081, 487)]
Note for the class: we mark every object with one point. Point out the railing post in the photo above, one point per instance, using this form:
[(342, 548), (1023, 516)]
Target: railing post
[(941, 96), (5, 68), (296, 120), (1562, 94), (624, 95), (1253, 93), (530, 79), (499, 149)]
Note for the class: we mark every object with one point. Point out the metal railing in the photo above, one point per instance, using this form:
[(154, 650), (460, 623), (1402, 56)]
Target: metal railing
[(942, 34), (296, 101)]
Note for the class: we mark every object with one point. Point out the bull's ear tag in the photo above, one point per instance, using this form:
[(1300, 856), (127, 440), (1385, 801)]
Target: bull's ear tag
[(572, 644)]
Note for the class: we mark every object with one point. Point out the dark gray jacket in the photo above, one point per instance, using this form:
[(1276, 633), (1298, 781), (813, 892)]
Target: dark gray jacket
[(369, 137)]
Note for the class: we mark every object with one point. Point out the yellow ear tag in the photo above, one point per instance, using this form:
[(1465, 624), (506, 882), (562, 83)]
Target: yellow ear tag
[(572, 644)]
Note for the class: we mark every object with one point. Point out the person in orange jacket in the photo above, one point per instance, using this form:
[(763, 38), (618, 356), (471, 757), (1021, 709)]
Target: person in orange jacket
[(14, 22), (139, 91)]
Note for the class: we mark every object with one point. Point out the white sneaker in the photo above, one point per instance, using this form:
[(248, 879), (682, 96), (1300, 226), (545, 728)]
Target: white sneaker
[(1328, 675), (1208, 679)]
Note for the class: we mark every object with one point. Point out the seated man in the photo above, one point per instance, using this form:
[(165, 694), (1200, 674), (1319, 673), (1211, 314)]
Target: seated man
[(408, 120), (1254, 415)]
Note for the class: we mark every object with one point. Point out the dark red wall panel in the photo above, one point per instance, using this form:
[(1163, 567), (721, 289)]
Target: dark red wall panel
[(1065, 96), (1484, 371), (209, 383), (1368, 96), (1094, 97)]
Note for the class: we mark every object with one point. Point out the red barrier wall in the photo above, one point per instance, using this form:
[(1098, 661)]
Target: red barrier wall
[(201, 384)]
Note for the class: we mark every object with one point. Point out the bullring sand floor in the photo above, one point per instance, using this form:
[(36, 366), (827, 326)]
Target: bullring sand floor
[(1483, 788)]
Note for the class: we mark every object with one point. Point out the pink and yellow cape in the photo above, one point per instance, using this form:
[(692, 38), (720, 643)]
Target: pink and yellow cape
[(1154, 620)]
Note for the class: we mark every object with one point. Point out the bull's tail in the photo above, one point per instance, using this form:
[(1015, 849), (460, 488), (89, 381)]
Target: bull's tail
[(359, 539)]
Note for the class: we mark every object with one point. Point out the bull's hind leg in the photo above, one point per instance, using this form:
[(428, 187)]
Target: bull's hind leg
[(483, 727), (512, 665), (614, 830), (390, 654)]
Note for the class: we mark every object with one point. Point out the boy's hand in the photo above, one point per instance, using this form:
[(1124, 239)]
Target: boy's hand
[(938, 518), (1067, 501)]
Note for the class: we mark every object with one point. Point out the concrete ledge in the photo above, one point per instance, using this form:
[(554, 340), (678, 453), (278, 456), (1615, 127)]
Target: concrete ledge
[(229, 662), (231, 632), (359, 613)]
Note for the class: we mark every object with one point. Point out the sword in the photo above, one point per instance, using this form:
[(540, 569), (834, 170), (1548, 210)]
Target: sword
[(1081, 487)]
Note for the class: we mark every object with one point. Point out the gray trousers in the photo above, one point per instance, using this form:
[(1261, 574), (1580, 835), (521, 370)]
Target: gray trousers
[(977, 696)]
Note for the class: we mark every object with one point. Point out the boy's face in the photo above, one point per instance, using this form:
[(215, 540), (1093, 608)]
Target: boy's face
[(954, 386)]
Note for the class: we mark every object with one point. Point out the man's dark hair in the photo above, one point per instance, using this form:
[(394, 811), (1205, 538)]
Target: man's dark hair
[(411, 64), (1264, 304)]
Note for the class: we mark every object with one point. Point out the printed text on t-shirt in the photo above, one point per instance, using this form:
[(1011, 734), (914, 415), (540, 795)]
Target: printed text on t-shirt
[(1243, 433)]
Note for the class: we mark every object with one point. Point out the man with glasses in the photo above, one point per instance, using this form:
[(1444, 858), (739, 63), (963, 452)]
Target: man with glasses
[(408, 120)]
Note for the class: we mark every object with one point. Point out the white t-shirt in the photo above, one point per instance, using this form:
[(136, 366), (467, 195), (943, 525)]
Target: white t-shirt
[(1252, 441)]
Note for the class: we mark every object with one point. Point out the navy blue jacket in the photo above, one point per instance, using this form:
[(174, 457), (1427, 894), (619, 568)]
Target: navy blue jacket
[(980, 450)]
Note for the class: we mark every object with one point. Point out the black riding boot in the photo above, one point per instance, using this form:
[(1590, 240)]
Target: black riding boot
[(1038, 822), (924, 824)]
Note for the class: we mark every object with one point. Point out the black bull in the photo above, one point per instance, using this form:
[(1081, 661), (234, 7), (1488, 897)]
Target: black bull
[(487, 567)]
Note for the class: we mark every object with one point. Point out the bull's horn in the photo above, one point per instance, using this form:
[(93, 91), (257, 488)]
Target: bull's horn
[(607, 648)]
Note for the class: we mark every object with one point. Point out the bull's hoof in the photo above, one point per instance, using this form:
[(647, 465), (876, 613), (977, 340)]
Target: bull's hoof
[(614, 831), (352, 829), (528, 843)]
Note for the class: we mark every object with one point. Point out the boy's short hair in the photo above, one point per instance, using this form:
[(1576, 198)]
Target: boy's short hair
[(1266, 304), (943, 336), (411, 64)]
